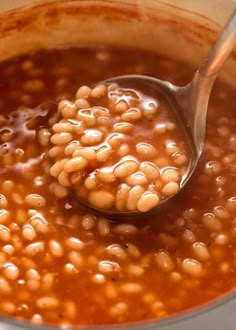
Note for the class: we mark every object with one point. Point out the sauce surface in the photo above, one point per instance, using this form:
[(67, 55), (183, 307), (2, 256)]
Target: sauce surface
[(61, 264)]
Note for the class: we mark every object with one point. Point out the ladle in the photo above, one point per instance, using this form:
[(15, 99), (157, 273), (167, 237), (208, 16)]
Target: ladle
[(190, 101)]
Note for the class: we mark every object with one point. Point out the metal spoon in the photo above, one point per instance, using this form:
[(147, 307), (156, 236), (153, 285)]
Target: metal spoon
[(190, 101)]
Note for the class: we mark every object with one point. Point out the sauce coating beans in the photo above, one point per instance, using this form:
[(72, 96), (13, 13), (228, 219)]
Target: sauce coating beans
[(110, 141), (62, 264)]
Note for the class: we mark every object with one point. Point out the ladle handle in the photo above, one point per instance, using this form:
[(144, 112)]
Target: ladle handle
[(221, 49), (196, 94)]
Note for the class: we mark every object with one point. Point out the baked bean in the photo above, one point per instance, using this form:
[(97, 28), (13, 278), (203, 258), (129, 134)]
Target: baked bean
[(91, 137), (132, 250), (103, 153), (4, 216), (147, 201), (82, 103), (63, 179), (131, 288), (37, 319), (28, 232), (74, 243), (160, 128), (121, 197), (118, 309), (56, 151), (222, 239), (125, 168), (75, 164), (5, 234), (5, 287), (55, 248), (150, 170), (145, 150), (35, 201), (56, 169), (131, 115), (170, 188), (192, 267), (98, 279), (62, 127), (98, 91), (137, 178), (61, 138), (8, 249), (86, 117), (163, 261), (121, 106), (117, 252), (123, 127), (3, 202), (200, 251), (47, 302), (150, 109), (211, 222), (134, 196), (124, 150), (103, 227), (170, 174), (66, 109), (91, 182), (11, 271), (108, 267), (115, 140), (76, 259), (58, 190), (101, 199), (188, 236), (8, 307), (34, 248), (88, 221), (105, 175), (125, 229), (83, 92), (135, 270), (179, 158)]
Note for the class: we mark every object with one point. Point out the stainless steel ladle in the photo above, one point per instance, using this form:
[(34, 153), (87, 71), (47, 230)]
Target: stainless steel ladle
[(190, 101)]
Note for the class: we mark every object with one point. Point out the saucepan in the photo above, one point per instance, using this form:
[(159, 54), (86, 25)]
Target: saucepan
[(182, 29)]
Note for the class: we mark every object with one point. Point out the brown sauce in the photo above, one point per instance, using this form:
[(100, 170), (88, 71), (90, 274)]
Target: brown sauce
[(61, 264)]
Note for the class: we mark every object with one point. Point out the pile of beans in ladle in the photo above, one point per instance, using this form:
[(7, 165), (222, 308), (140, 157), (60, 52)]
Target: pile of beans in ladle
[(118, 149)]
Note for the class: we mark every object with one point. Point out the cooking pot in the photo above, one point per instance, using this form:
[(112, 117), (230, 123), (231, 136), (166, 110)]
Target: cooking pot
[(155, 25)]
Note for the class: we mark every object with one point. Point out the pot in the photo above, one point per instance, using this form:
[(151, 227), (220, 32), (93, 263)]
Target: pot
[(27, 25)]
